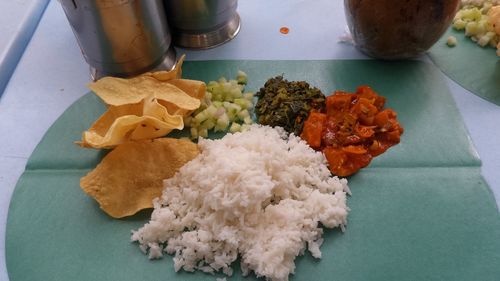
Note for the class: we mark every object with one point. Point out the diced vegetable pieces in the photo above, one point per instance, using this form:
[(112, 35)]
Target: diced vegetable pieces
[(336, 159), (382, 118), (354, 149), (242, 77), (248, 96), (235, 127), (194, 132), (354, 129), (313, 129), (200, 117), (208, 124), (481, 22), (203, 133), (247, 120), (364, 131), (222, 123), (224, 107), (339, 101), (365, 111), (345, 164), (243, 114)]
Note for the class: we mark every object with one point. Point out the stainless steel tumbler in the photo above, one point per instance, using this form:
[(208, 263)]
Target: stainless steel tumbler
[(121, 37), (202, 23)]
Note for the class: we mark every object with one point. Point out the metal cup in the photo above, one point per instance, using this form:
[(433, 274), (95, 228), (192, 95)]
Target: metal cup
[(202, 24), (121, 37)]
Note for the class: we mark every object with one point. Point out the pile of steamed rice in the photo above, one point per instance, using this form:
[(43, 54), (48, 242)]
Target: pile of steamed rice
[(260, 194)]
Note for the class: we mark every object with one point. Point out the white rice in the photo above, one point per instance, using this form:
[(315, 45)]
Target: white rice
[(259, 194)]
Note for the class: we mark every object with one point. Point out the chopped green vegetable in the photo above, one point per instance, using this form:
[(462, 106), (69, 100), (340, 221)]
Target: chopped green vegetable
[(242, 77), (474, 19), (248, 96), (287, 104), (451, 41), (194, 133), (203, 133), (235, 127), (243, 114), (225, 107), (222, 123), (208, 124)]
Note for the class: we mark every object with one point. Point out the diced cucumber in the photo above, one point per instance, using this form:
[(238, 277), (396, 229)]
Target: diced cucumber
[(224, 104), (222, 123), (203, 133), (244, 103), (208, 124), (235, 127), (211, 110), (200, 117), (243, 114), (248, 96), (242, 77), (248, 120), (194, 133)]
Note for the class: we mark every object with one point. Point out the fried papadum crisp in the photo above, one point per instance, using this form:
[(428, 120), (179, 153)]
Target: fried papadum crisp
[(175, 73), (144, 120), (144, 107), (131, 176), (193, 88), (119, 91)]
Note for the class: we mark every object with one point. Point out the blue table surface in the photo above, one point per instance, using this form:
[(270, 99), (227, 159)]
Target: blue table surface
[(18, 21), (52, 74)]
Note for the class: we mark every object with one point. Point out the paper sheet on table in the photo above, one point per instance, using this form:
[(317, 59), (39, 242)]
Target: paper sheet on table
[(422, 211), (475, 68)]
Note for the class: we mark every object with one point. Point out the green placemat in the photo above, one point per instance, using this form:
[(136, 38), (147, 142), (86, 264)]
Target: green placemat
[(474, 68), (422, 211)]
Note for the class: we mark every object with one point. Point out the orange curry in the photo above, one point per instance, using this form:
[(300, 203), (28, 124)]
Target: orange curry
[(354, 129)]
